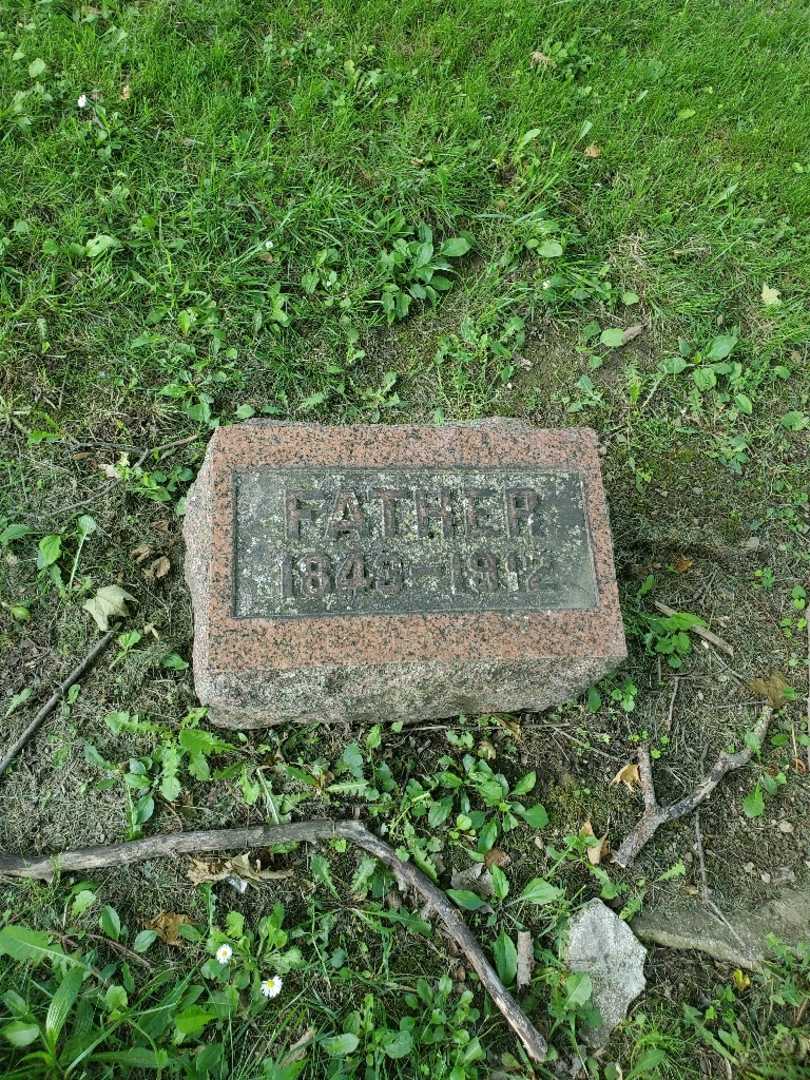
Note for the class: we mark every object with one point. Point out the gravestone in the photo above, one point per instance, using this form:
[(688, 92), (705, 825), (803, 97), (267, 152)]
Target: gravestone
[(384, 573)]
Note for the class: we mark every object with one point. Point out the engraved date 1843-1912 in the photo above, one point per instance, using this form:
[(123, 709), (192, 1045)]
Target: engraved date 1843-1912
[(352, 541)]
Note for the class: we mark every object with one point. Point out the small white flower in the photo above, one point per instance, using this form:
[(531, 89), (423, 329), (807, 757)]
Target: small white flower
[(271, 987), (224, 953), (82, 102)]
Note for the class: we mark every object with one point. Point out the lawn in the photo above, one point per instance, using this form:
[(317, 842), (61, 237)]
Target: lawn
[(574, 214)]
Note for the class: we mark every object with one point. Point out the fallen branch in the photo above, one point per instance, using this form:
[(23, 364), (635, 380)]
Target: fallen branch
[(655, 816), (701, 631), (172, 844), (55, 698)]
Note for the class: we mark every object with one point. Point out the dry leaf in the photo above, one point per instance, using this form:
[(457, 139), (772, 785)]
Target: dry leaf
[(592, 151), (298, 1049), (628, 775), (158, 569), (682, 564), (525, 959), (125, 92), (772, 688), (486, 750), (141, 552), (631, 332), (539, 59), (512, 727), (167, 926), (496, 857), (596, 852), (393, 899), (475, 878), (110, 602), (241, 867), (770, 296)]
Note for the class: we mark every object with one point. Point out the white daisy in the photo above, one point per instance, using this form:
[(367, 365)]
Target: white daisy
[(271, 987), (224, 953), (82, 102)]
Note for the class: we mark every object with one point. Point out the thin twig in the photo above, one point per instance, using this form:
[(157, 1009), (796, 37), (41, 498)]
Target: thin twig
[(705, 891), (704, 887), (103, 491), (166, 446), (655, 815), (116, 946), (172, 844), (676, 684), (56, 697), (701, 631)]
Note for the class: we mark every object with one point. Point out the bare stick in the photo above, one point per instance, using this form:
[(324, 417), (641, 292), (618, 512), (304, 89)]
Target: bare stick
[(171, 844), (676, 683), (655, 816), (116, 946), (701, 631), (166, 446), (55, 698), (704, 886), (705, 891)]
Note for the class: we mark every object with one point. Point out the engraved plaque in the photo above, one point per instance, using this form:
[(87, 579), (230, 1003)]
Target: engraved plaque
[(408, 540)]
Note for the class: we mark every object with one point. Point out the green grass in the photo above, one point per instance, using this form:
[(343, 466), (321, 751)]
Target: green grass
[(230, 225)]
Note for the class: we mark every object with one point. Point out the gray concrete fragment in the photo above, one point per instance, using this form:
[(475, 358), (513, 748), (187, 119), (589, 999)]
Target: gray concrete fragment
[(605, 948), (742, 940)]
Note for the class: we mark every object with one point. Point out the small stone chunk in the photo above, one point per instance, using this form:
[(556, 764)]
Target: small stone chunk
[(398, 573), (605, 948)]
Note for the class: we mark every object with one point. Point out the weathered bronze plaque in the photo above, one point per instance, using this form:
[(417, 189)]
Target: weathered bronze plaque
[(398, 540)]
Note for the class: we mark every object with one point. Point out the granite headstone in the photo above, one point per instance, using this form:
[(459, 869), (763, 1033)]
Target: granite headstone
[(386, 573)]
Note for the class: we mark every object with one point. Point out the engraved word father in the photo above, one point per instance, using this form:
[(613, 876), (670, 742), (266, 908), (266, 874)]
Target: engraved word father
[(349, 541)]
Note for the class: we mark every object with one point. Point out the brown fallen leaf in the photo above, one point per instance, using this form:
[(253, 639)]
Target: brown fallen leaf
[(157, 569), (631, 332), (682, 564), (167, 926), (512, 727), (141, 552), (525, 959), (592, 151), (628, 775), (772, 688), (596, 852), (496, 857), (241, 867)]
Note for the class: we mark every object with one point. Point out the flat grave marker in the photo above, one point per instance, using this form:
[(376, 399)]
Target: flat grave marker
[(384, 573)]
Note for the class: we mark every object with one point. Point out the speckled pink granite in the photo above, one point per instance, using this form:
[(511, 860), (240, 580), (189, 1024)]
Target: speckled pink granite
[(255, 672)]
